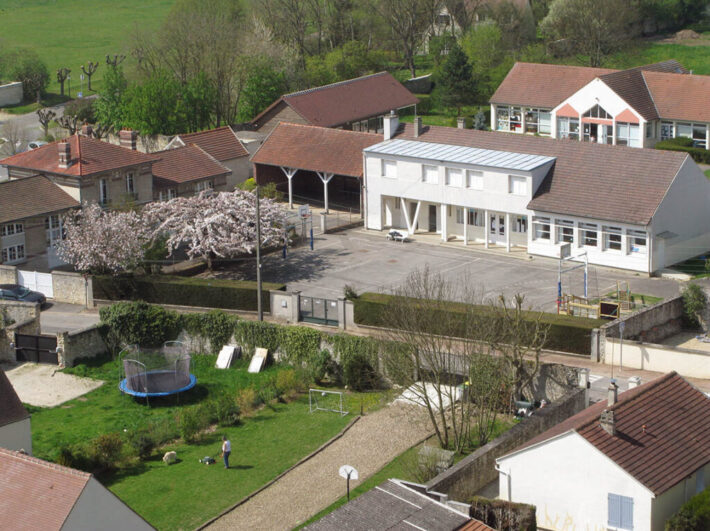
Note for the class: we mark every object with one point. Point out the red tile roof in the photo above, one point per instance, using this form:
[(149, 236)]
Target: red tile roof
[(578, 184), (221, 143), (679, 97), (185, 164), (32, 196), (347, 101), (11, 408), (662, 431), (543, 85), (315, 149), (88, 156), (36, 494)]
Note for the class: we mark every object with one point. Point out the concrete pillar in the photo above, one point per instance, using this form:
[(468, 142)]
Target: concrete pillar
[(325, 177), (295, 306), (522, 120), (487, 228), (341, 313), (323, 222), (444, 209), (613, 132), (289, 172), (507, 231), (465, 226)]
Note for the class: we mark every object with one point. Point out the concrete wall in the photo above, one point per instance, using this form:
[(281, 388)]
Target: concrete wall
[(472, 473), (8, 274), (419, 85), (11, 94), (658, 358), (73, 288), (17, 436), (285, 305), (84, 343), (98, 508), (668, 503), (651, 324)]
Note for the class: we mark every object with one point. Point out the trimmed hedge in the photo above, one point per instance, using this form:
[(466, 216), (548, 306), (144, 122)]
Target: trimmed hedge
[(202, 292), (685, 144), (567, 333)]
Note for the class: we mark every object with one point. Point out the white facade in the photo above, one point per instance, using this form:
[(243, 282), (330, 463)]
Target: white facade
[(17, 436), (570, 482)]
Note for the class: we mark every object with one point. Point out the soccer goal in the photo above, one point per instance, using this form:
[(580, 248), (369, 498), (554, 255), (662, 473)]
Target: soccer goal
[(322, 400)]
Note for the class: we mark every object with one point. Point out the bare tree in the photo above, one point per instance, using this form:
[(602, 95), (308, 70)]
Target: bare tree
[(115, 60), (289, 21), (13, 137), (62, 75), (101, 131), (45, 116), (89, 71), (463, 12), (70, 123)]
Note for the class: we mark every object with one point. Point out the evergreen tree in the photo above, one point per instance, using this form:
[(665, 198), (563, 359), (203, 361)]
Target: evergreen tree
[(455, 85)]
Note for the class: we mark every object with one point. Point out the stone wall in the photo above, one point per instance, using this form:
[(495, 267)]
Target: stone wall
[(7, 337), (553, 381), (419, 85), (20, 311), (11, 94), (84, 343), (652, 325), (475, 471), (8, 274), (73, 288)]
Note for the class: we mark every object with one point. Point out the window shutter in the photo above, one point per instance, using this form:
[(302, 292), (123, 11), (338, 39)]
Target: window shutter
[(614, 510), (627, 512)]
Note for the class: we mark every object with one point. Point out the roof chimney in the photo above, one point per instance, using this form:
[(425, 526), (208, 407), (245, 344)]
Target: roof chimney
[(612, 393), (64, 149), (87, 130), (461, 122), (417, 126), (127, 138), (607, 422), (391, 123)]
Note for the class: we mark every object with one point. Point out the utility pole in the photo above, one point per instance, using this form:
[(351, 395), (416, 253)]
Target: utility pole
[(258, 257)]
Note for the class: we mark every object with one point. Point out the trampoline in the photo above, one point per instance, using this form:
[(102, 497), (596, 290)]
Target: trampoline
[(159, 372)]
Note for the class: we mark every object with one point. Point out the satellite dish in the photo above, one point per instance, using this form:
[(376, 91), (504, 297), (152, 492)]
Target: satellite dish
[(348, 472)]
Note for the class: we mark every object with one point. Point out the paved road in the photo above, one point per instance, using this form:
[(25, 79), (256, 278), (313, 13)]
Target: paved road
[(62, 317), (368, 262)]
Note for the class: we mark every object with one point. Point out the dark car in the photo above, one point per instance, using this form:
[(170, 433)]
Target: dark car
[(15, 292)]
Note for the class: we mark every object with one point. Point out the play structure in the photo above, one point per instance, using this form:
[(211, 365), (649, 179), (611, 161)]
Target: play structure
[(148, 373)]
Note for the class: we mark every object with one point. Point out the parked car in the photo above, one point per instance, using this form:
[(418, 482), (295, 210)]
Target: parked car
[(36, 144), (15, 292), (397, 235)]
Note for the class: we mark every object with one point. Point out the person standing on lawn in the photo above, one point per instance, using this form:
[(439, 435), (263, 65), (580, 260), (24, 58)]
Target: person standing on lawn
[(226, 450)]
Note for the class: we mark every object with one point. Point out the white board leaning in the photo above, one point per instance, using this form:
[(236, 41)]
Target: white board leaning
[(258, 360), (225, 357)]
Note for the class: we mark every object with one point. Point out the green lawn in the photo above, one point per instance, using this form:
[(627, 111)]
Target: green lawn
[(68, 33), (188, 493), (694, 266), (707, 174)]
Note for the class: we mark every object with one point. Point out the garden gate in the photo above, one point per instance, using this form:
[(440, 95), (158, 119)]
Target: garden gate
[(37, 349), (319, 311), (35, 281)]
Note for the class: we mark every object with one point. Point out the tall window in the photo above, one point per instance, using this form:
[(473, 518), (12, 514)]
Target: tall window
[(53, 228), (538, 121), (430, 174), (130, 185), (389, 169), (597, 112), (637, 241), (628, 134), (517, 185), (103, 191), (519, 224), (588, 234), (454, 177), (12, 228), (475, 218), (204, 185), (667, 130), (699, 136), (459, 216), (13, 253), (568, 128), (542, 228), (621, 511), (565, 230), (612, 238), (474, 179), (509, 119)]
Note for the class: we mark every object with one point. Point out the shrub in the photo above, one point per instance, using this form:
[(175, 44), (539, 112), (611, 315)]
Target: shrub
[(82, 109), (77, 456), (694, 302), (694, 515), (106, 450), (268, 392), (299, 343), (500, 514), (320, 365), (141, 442), (566, 333), (139, 323), (165, 289), (358, 372), (163, 430), (216, 326), (287, 382), (358, 359), (253, 334), (685, 144), (246, 399), (226, 410), (349, 292), (192, 422)]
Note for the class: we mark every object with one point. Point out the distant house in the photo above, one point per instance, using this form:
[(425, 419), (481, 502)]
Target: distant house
[(397, 504), (31, 221), (187, 170), (15, 430), (223, 145), (37, 494), (90, 170), (358, 104), (628, 462), (635, 107)]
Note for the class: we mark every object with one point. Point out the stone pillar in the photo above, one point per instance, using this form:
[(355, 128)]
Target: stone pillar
[(323, 221), (487, 228), (341, 313), (295, 306)]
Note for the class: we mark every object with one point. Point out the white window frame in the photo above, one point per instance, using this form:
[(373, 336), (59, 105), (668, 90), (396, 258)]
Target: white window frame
[(10, 229), (564, 127), (459, 215), (430, 174), (130, 184), (595, 111), (517, 185), (565, 231), (12, 253), (667, 130), (53, 229), (634, 247), (519, 224), (624, 136), (509, 118), (203, 186), (475, 218), (474, 179), (454, 177), (585, 228), (541, 228), (389, 168), (610, 233), (103, 191)]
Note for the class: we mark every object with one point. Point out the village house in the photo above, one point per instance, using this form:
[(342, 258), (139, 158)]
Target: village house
[(187, 170), (617, 205), (31, 212), (15, 429), (628, 462), (358, 104), (90, 170), (635, 107), (223, 146)]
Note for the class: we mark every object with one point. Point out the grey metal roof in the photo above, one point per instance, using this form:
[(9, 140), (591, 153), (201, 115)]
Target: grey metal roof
[(460, 154)]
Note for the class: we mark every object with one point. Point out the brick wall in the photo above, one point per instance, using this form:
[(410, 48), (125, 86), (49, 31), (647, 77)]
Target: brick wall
[(475, 471), (84, 343)]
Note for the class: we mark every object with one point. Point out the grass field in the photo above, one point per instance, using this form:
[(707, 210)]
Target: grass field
[(188, 493), (68, 33)]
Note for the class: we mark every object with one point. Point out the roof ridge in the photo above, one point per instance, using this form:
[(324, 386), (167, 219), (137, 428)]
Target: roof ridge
[(650, 93), (211, 157), (46, 464), (330, 85), (337, 131)]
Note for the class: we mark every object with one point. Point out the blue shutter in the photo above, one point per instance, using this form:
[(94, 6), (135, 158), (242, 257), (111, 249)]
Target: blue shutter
[(614, 510), (627, 512)]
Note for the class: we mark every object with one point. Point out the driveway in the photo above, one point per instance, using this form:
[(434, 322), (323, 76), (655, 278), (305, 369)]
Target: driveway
[(63, 317), (368, 262)]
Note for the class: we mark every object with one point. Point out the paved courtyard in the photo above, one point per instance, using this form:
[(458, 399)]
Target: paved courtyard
[(368, 262), (63, 317)]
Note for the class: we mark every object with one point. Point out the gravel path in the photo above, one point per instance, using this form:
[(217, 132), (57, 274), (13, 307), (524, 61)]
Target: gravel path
[(40, 384), (368, 445)]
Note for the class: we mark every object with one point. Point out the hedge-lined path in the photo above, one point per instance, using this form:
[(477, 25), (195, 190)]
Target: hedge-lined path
[(368, 445)]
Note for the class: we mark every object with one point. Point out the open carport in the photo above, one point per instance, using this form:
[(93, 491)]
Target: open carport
[(316, 164)]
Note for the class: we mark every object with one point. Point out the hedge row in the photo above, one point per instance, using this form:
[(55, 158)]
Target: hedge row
[(567, 333), (202, 292), (685, 144)]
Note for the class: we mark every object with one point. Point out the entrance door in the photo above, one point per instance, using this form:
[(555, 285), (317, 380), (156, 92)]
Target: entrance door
[(497, 230), (432, 218)]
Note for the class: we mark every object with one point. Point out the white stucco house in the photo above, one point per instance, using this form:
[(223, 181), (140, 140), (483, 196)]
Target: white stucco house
[(628, 462), (636, 209), (15, 429), (37, 494), (635, 107)]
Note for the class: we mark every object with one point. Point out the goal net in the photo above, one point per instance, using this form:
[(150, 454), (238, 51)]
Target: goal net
[(322, 400)]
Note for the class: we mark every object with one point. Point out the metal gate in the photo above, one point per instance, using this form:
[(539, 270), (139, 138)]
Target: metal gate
[(37, 349), (320, 311), (35, 281)]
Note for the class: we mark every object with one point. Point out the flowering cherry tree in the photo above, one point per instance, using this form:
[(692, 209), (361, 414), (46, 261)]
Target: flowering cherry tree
[(216, 224), (102, 241)]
